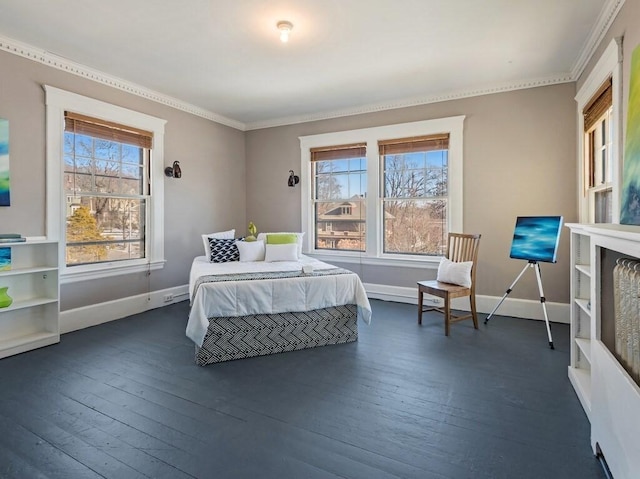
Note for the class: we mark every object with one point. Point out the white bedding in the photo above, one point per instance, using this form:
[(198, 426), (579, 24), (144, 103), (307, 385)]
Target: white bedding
[(266, 296)]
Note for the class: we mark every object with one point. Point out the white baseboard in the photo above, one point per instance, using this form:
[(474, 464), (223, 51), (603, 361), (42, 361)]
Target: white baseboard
[(519, 308), (92, 315)]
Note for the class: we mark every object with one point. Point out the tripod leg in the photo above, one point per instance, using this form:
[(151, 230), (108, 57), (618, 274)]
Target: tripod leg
[(544, 306), (507, 293)]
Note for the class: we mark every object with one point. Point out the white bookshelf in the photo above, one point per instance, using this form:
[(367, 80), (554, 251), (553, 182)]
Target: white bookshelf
[(581, 315), (32, 320), (610, 397)]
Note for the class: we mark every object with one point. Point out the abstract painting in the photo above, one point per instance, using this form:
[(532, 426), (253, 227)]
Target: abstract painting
[(536, 238), (4, 163), (630, 207)]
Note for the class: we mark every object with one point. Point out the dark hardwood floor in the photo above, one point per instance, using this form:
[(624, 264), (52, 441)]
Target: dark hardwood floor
[(125, 400)]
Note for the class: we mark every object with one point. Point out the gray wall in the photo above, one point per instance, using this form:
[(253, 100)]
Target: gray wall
[(209, 197), (519, 159)]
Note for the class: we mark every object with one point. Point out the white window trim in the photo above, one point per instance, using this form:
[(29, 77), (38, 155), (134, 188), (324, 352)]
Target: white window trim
[(373, 254), (57, 101), (609, 65)]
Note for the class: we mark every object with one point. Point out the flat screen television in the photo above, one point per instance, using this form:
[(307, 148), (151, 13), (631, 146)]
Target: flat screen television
[(536, 238)]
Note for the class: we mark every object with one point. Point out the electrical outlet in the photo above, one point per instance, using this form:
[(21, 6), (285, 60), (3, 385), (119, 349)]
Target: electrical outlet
[(167, 298)]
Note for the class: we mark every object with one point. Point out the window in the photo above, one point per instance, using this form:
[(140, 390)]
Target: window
[(383, 194), (598, 161), (104, 186), (414, 198), (599, 135), (340, 188)]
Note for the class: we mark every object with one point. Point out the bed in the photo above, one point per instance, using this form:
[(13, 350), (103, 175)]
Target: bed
[(245, 309)]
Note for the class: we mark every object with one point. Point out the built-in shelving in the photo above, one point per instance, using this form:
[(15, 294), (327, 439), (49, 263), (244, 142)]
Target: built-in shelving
[(581, 316), (585, 347), (32, 319), (584, 305), (581, 381), (585, 269), (608, 394)]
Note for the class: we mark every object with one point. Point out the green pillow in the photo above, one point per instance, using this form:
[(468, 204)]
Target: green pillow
[(282, 238)]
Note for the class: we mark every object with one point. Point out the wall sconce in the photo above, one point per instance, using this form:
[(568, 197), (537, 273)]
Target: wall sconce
[(293, 179), (173, 171)]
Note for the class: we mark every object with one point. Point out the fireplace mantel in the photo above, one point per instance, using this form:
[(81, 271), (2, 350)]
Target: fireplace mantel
[(630, 234), (608, 394)]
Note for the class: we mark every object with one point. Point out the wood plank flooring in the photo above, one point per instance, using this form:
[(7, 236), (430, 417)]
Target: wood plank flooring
[(126, 400)]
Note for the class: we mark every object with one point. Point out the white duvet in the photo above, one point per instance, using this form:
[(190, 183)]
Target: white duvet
[(266, 296)]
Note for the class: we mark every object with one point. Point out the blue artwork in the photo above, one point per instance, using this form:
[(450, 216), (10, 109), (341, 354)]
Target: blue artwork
[(536, 238), (5, 259), (4, 163)]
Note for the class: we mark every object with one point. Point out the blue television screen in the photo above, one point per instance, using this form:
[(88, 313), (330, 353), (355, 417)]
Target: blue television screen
[(536, 238)]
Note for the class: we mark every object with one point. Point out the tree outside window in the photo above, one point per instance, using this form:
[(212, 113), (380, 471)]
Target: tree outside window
[(414, 200), (106, 192), (383, 194)]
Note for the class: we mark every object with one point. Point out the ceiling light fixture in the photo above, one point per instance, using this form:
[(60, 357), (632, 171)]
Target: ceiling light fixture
[(285, 29)]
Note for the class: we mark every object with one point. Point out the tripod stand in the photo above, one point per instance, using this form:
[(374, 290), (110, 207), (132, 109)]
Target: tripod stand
[(531, 264)]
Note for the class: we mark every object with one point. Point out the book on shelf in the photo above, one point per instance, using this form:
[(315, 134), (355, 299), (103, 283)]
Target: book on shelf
[(10, 235), (12, 240)]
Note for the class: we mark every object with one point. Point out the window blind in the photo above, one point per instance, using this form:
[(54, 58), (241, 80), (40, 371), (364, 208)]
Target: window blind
[(106, 130), (339, 152), (598, 105), (414, 144)]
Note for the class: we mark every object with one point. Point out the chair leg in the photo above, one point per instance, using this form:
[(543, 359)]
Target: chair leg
[(447, 314), (474, 315), (420, 296)]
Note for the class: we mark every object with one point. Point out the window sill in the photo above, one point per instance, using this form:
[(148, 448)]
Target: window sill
[(601, 187), (105, 270), (430, 262)]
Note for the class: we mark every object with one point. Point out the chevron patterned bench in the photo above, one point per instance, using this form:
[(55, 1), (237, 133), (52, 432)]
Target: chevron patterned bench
[(240, 337)]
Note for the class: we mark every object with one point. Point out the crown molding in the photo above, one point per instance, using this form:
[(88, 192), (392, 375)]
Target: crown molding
[(605, 19), (409, 102), (607, 15), (52, 60)]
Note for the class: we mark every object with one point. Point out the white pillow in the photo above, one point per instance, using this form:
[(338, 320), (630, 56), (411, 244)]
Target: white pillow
[(281, 252), (251, 250), (222, 235), (455, 273), (263, 237)]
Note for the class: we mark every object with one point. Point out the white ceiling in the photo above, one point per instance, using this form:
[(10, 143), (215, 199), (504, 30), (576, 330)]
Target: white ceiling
[(224, 57)]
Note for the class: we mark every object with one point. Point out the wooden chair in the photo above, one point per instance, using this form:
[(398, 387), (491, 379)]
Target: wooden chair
[(460, 247)]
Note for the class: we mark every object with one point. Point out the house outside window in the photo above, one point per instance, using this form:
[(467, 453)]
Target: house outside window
[(340, 182), (383, 194), (105, 187)]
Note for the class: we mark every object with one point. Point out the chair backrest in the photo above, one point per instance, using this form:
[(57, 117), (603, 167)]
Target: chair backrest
[(464, 247)]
